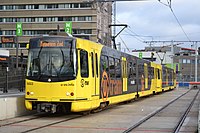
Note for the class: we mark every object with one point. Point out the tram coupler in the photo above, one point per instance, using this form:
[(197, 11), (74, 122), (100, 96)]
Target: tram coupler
[(46, 107)]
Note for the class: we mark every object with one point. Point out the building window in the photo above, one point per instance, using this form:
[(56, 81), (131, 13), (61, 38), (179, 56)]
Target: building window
[(39, 32), (184, 61), (42, 7), (29, 6), (188, 61), (20, 7), (85, 5), (193, 61), (47, 19), (75, 5), (47, 6), (36, 6), (67, 6), (61, 5), (82, 31), (10, 7)]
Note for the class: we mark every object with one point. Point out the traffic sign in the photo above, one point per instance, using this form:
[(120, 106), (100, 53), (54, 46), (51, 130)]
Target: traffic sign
[(19, 29), (140, 55), (68, 27)]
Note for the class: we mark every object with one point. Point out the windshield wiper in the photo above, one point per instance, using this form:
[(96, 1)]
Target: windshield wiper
[(63, 63)]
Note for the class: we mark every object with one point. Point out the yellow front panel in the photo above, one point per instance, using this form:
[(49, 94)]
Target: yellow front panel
[(50, 91)]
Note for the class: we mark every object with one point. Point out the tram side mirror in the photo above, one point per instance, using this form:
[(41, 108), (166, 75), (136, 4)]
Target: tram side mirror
[(27, 46)]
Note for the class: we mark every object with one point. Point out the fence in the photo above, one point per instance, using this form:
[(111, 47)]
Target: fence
[(12, 80)]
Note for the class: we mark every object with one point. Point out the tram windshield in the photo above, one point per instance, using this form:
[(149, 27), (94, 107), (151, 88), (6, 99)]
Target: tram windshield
[(49, 61)]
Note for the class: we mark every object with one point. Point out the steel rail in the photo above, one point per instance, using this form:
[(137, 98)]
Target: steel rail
[(54, 123), (20, 121), (153, 113), (183, 117)]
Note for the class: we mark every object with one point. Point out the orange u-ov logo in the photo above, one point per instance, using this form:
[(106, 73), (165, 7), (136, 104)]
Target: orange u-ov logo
[(104, 86)]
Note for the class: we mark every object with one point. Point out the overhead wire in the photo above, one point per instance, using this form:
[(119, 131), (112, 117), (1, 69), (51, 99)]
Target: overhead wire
[(170, 7), (135, 35), (124, 43)]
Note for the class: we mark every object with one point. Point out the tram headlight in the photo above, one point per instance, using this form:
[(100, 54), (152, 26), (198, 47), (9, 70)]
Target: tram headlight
[(70, 94), (30, 93), (67, 94)]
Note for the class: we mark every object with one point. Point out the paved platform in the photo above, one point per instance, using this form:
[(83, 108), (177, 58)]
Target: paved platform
[(12, 105)]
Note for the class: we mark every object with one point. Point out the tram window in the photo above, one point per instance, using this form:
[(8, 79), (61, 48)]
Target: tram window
[(92, 60), (117, 68), (145, 71), (151, 72), (84, 63), (106, 67), (96, 64), (104, 64), (158, 71), (141, 69), (130, 69), (112, 67)]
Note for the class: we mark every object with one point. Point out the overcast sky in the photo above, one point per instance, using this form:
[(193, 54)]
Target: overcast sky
[(152, 20)]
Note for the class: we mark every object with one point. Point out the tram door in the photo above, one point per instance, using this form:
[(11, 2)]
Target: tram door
[(94, 79), (124, 73), (158, 78)]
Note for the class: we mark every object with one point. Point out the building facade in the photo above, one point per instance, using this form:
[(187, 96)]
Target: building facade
[(90, 20), (181, 59), (186, 60)]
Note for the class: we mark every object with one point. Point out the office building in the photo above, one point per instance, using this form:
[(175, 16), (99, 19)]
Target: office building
[(89, 19)]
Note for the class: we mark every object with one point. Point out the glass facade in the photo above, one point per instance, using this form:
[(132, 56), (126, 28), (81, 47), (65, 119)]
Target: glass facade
[(41, 32), (46, 19), (45, 6)]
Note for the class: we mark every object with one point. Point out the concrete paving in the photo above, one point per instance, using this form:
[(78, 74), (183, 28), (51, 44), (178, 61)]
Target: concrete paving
[(114, 120)]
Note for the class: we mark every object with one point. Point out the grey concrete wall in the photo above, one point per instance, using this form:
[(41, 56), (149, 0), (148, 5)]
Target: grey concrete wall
[(12, 106)]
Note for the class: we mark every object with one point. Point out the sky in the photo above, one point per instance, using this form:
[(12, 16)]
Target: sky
[(152, 20)]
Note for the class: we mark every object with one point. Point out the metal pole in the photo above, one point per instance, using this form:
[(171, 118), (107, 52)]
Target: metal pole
[(17, 48), (6, 87), (172, 50), (196, 53), (114, 19)]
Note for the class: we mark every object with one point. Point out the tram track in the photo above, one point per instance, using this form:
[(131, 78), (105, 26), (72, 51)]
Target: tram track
[(25, 120), (151, 115), (43, 115), (51, 124)]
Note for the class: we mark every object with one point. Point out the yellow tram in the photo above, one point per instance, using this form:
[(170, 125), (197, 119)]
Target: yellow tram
[(71, 74)]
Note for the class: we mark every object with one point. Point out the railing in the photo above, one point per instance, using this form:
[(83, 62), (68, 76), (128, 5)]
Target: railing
[(12, 80)]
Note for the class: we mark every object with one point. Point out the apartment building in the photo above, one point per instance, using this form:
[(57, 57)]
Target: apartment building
[(89, 19)]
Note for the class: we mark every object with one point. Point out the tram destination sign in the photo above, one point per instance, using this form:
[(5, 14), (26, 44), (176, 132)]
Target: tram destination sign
[(51, 44)]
